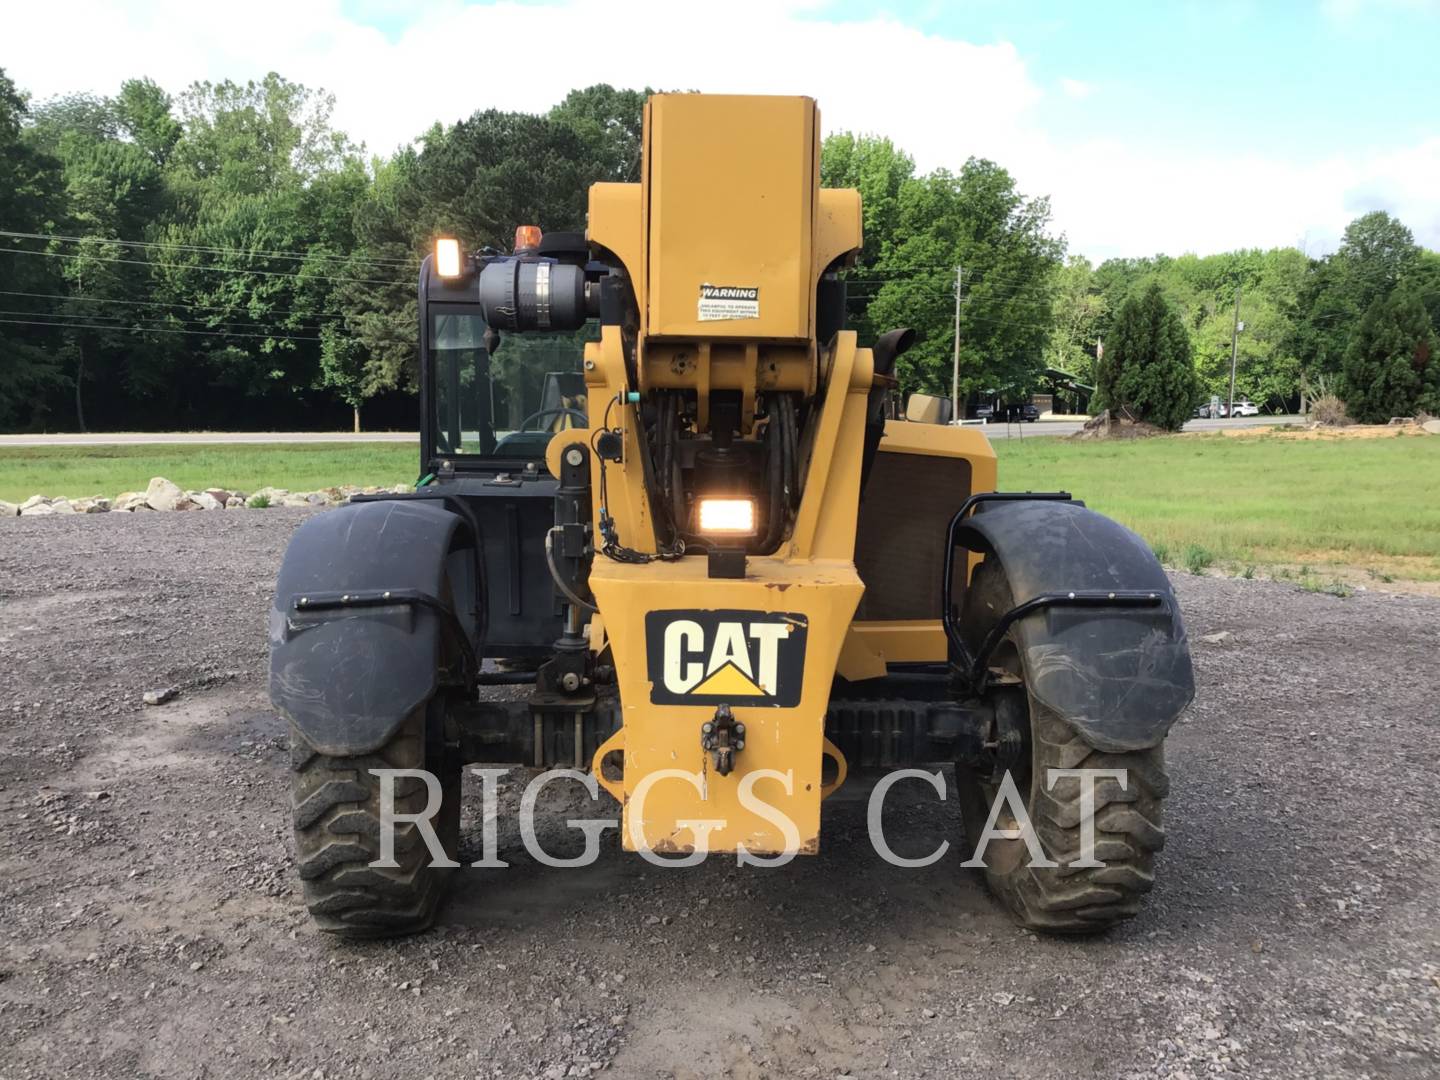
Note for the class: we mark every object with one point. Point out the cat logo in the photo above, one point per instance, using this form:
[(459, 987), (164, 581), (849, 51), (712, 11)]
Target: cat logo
[(731, 657)]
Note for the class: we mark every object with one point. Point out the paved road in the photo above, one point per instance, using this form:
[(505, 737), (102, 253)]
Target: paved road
[(143, 438), (154, 438)]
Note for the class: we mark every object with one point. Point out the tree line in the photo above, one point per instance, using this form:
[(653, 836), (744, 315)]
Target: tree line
[(227, 258)]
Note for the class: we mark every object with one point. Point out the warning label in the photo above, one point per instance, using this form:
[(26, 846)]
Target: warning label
[(728, 302)]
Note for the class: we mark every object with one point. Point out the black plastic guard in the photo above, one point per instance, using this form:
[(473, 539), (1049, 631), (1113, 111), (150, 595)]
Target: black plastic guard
[(348, 678), (1120, 677)]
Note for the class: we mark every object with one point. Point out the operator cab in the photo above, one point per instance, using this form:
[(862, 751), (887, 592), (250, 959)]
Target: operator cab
[(492, 400)]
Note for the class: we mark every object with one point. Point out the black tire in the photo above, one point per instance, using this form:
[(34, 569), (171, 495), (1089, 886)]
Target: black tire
[(1129, 822), (336, 804)]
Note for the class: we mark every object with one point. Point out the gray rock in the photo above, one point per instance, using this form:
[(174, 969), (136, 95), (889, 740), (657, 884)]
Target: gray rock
[(1432, 426), (163, 495), (9, 509), (62, 506), (34, 501), (220, 495), (161, 696), (128, 501), (97, 506), (235, 502), (37, 510), (1221, 637), (205, 501)]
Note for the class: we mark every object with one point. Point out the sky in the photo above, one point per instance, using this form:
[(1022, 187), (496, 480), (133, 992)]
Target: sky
[(1153, 127)]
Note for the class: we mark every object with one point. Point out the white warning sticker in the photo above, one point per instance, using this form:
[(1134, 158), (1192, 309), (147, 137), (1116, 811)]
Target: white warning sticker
[(729, 302)]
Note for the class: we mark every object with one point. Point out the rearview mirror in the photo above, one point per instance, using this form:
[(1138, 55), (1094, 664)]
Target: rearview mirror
[(927, 409)]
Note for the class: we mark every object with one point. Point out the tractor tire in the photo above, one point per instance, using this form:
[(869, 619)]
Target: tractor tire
[(1129, 822), (336, 806)]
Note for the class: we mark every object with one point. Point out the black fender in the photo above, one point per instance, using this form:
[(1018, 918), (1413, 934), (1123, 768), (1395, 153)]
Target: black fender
[(365, 619), (1120, 677)]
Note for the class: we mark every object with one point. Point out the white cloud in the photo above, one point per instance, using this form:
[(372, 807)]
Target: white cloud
[(941, 99), (1075, 88)]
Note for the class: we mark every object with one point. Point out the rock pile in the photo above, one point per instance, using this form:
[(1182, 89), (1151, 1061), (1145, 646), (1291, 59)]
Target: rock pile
[(165, 496)]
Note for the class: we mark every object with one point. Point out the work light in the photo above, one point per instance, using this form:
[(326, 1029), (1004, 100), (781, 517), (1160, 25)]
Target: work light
[(726, 516), (447, 257)]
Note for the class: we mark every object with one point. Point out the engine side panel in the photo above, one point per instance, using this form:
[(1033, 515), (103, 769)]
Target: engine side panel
[(922, 474)]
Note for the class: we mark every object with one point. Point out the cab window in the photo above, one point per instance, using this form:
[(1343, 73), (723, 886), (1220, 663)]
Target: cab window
[(508, 404)]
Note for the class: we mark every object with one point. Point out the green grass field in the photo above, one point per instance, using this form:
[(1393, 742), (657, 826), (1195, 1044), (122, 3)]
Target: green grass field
[(78, 471), (1266, 502)]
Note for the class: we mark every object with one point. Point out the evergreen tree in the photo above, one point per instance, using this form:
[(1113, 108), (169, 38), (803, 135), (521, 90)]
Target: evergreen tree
[(1146, 372), (1391, 367)]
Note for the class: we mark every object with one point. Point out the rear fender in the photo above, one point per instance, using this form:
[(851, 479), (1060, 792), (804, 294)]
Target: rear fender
[(347, 677), (1120, 677)]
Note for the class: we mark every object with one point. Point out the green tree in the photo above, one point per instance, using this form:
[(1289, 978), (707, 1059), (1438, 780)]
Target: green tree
[(262, 233), (370, 348), (611, 123), (1078, 310), (1146, 371), (1391, 367), (1376, 252), (31, 199), (981, 221), (878, 170), (144, 112)]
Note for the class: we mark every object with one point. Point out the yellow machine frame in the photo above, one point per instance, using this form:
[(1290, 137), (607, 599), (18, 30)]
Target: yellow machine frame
[(694, 222)]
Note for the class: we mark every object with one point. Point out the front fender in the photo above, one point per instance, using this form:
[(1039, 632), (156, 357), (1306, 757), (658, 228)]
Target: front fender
[(347, 678), (1120, 677)]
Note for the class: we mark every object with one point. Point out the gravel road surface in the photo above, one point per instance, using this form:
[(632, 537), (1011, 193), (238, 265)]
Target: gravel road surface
[(150, 923)]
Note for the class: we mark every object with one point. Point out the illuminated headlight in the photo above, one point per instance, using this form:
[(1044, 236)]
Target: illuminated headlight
[(447, 257), (727, 517)]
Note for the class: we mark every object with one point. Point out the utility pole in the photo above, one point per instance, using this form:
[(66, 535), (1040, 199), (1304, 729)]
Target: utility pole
[(955, 416), (1234, 352)]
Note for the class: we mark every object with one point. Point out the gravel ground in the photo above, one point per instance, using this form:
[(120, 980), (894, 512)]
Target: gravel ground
[(151, 925)]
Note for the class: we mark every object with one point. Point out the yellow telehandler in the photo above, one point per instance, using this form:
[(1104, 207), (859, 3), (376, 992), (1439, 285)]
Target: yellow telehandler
[(663, 491)]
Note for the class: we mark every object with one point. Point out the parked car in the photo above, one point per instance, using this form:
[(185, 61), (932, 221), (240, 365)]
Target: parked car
[(1026, 413), (983, 411), (1245, 408)]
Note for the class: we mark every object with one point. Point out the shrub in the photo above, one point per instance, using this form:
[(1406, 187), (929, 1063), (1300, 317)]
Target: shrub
[(1197, 558), (258, 502), (1330, 411), (1334, 587)]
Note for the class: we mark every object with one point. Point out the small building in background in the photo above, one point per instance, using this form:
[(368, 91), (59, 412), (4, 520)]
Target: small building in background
[(1064, 394)]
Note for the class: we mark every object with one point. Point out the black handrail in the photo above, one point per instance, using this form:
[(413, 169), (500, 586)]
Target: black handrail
[(952, 540), (971, 670)]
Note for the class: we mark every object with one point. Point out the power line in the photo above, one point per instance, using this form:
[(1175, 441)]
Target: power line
[(159, 322), (210, 269), (152, 330), (248, 253), (168, 304)]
